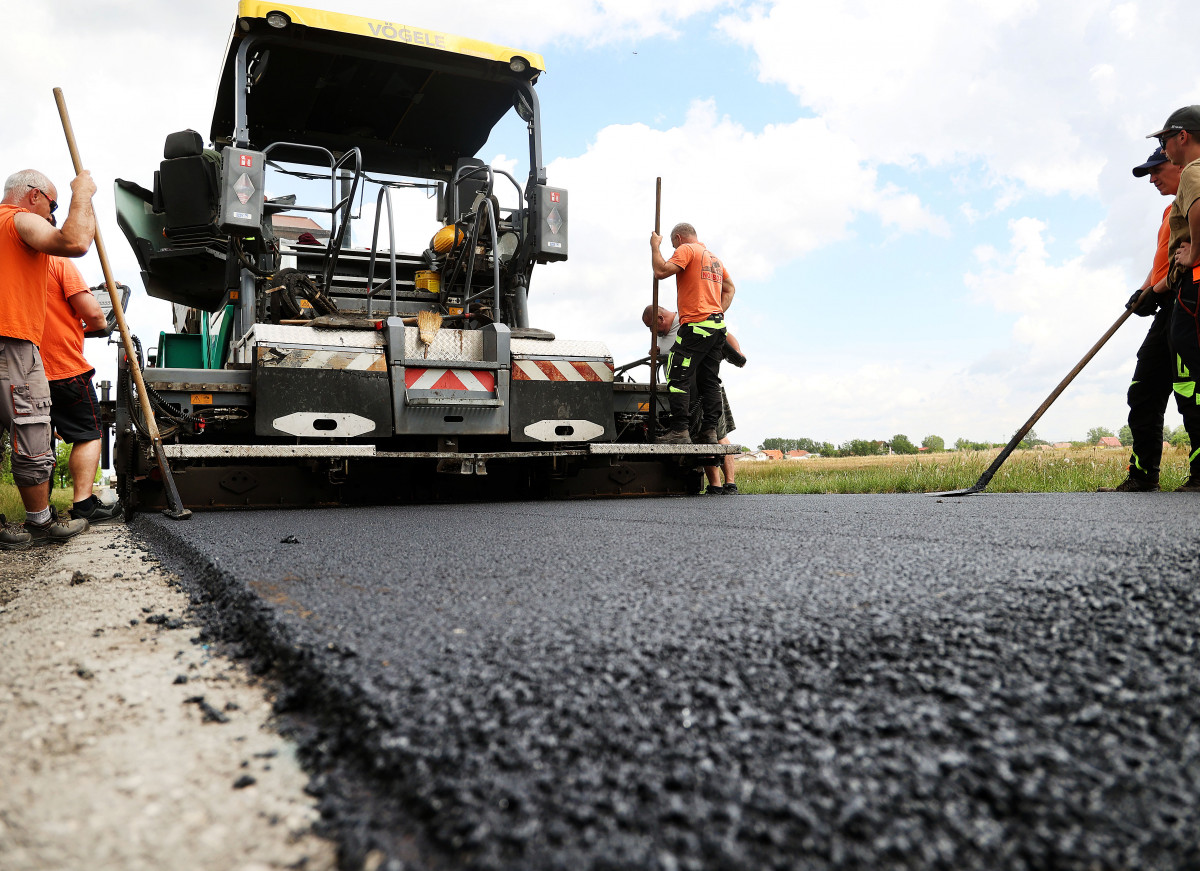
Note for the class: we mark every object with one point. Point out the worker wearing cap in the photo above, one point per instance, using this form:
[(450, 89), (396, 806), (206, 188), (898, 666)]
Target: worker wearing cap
[(28, 237), (668, 330), (704, 291), (1180, 140), (1154, 374), (75, 412)]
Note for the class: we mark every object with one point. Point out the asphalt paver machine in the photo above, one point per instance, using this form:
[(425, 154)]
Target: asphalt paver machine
[(303, 369)]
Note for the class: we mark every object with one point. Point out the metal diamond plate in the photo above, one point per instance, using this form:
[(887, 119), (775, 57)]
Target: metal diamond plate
[(575, 349), (196, 452), (447, 345), (611, 448), (280, 334)]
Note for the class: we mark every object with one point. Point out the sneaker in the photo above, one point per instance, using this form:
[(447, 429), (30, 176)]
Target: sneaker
[(13, 536), (675, 437), (714, 490), (708, 436), (97, 512), (1191, 485), (1132, 485), (731, 490), (56, 530)]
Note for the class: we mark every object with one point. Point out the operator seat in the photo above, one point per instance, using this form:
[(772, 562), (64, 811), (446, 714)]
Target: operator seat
[(468, 189), (186, 183)]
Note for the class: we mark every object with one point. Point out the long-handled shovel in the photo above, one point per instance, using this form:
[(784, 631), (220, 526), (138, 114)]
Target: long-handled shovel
[(652, 405), (176, 511), (1062, 385)]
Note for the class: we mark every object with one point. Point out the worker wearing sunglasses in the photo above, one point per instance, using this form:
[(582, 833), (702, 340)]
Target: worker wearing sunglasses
[(27, 238)]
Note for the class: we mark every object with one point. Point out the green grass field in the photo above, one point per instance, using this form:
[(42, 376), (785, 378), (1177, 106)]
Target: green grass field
[(1077, 470), (11, 507)]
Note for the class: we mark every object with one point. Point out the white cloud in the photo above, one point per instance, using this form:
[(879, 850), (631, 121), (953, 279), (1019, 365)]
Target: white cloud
[(1057, 311), (758, 200), (1039, 92)]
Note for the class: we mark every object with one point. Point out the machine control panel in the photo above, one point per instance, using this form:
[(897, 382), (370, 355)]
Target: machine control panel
[(243, 180), (549, 219)]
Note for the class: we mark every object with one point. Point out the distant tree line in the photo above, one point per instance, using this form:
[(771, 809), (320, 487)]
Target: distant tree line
[(898, 444), (902, 444)]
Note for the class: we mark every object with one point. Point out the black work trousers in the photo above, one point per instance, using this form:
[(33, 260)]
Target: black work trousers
[(1185, 345), (694, 364), (1153, 382)]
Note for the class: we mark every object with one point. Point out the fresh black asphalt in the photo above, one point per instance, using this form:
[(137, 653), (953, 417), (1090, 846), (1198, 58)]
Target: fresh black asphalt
[(995, 682)]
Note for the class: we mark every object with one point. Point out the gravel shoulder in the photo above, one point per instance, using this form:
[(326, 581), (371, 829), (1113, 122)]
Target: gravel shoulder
[(124, 742)]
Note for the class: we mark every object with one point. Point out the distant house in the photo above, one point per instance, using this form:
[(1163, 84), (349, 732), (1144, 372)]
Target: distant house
[(754, 457), (1062, 446), (292, 226), (1108, 442), (774, 455), (798, 455)]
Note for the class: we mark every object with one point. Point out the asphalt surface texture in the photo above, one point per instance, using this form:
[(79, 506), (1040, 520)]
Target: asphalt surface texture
[(991, 682)]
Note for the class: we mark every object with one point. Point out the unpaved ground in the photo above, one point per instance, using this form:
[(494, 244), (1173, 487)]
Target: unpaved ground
[(123, 744)]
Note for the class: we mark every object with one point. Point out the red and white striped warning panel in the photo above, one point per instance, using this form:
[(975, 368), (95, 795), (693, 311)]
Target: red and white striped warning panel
[(473, 380), (561, 370)]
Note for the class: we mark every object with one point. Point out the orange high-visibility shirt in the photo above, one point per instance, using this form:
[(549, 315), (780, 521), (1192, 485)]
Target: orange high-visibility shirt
[(22, 282), (62, 338), (698, 286)]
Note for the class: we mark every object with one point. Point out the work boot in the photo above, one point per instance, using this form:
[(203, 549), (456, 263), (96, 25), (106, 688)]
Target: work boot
[(56, 530), (675, 437), (708, 436), (13, 536), (714, 490), (96, 512), (1132, 484), (731, 490), (1191, 485)]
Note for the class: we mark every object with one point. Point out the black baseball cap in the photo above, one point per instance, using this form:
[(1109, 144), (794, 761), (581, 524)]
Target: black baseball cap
[(1187, 118), (1158, 158)]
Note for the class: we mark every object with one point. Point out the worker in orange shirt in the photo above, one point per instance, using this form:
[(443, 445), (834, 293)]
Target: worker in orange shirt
[(74, 411), (704, 291), (28, 236), (1154, 374), (1180, 140)]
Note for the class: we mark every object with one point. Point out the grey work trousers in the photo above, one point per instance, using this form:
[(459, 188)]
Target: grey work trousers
[(25, 411)]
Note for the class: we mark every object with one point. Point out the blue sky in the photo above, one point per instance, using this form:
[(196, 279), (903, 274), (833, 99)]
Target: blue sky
[(927, 206)]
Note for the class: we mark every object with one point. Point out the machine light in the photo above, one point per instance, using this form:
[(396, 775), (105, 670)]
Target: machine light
[(277, 20), (518, 64)]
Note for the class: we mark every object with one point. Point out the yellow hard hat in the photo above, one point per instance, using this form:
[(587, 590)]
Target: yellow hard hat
[(446, 238)]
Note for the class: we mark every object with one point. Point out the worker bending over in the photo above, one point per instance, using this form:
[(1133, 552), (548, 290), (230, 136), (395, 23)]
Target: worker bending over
[(668, 329)]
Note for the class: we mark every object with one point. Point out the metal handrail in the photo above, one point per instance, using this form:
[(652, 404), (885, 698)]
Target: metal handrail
[(468, 297), (339, 209), (385, 196)]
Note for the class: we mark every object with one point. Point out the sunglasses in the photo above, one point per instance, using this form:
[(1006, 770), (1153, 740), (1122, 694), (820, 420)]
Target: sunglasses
[(53, 203), (1163, 138)]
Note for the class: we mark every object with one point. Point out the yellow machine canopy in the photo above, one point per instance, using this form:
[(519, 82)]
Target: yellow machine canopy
[(413, 100)]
